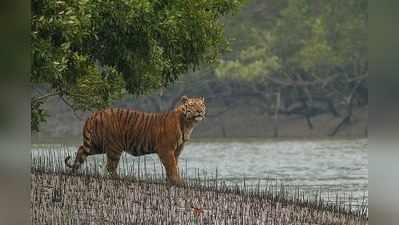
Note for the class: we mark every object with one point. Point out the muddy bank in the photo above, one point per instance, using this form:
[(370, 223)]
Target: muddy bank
[(65, 199)]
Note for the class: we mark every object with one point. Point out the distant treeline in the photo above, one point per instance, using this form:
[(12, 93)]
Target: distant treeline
[(288, 59)]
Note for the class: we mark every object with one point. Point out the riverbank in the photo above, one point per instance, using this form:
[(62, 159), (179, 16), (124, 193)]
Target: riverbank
[(66, 199)]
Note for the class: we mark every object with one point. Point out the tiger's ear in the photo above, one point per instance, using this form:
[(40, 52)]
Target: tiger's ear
[(184, 99)]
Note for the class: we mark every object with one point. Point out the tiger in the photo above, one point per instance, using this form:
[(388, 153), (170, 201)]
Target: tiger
[(112, 131)]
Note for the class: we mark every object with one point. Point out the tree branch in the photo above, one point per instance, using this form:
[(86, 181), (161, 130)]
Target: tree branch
[(43, 97), (347, 119), (71, 107), (301, 83)]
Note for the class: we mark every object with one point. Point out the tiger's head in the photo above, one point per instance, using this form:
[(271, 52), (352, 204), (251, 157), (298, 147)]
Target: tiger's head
[(193, 108)]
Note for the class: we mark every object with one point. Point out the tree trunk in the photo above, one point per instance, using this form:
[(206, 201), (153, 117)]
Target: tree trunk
[(348, 117), (307, 113), (307, 109), (276, 110)]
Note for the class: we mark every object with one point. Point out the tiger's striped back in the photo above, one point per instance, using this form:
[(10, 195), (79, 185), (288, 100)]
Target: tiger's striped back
[(114, 130)]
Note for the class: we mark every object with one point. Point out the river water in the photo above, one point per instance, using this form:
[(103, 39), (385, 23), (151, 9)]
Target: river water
[(331, 166)]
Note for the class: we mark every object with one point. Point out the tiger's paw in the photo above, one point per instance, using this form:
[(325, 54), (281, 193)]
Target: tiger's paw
[(175, 181)]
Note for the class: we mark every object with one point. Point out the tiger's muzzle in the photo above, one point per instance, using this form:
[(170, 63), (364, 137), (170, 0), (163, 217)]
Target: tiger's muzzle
[(199, 116)]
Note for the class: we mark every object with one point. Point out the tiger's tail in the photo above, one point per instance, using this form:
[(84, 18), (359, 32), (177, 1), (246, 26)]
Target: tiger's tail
[(68, 164), (80, 158)]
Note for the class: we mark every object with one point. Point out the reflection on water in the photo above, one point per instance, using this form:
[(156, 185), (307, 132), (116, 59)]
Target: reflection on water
[(330, 166)]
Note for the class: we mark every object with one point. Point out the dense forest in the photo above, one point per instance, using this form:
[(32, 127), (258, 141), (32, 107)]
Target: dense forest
[(282, 68)]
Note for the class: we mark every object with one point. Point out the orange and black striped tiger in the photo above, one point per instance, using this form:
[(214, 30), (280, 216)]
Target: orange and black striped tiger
[(114, 130)]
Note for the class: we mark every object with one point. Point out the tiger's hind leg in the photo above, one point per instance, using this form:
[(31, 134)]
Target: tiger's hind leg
[(112, 163), (81, 156)]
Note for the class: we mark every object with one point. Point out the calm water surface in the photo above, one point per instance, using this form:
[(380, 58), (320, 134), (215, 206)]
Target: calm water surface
[(338, 165), (328, 165)]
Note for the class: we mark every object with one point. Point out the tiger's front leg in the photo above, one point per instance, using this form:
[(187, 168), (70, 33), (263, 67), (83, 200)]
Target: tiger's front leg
[(169, 161)]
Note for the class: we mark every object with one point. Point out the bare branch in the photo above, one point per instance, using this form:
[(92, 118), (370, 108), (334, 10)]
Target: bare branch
[(71, 107), (43, 97), (290, 82), (347, 118)]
